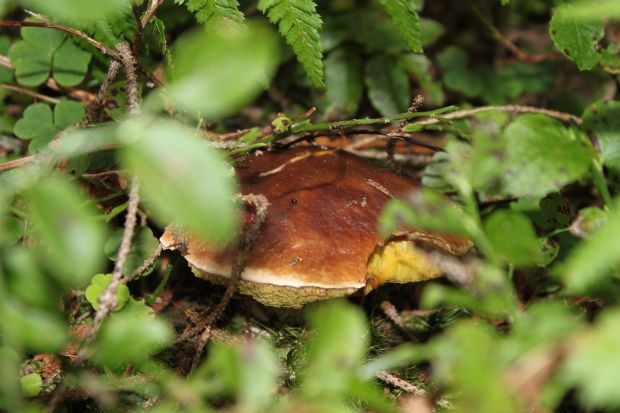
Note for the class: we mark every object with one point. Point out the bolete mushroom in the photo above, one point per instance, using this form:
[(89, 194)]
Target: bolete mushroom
[(320, 237)]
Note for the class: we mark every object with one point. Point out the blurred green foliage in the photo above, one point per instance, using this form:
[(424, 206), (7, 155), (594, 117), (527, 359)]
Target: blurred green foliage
[(527, 321)]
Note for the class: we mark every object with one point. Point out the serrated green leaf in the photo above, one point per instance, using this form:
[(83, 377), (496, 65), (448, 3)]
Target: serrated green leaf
[(388, 85), (249, 55), (211, 11), (36, 125), (406, 19), (542, 156), (576, 40), (67, 229), (183, 179), (300, 24), (344, 85), (602, 119), (70, 64), (513, 237)]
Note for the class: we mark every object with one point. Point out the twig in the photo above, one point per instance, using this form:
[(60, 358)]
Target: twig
[(397, 382), (260, 204), (107, 300), (94, 110), (129, 63), (29, 92), (49, 25), (79, 94), (148, 263), (146, 18), (95, 43), (460, 114), (394, 380)]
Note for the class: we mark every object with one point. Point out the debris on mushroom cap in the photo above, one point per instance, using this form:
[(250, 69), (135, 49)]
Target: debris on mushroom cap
[(320, 237)]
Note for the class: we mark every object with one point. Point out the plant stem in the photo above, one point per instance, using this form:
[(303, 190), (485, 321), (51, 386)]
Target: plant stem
[(303, 126), (601, 183)]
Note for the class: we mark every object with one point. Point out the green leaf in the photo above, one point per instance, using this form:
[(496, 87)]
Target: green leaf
[(97, 286), (556, 211), (602, 119), (70, 64), (388, 85), (343, 79), (128, 338), (37, 125), (32, 57), (35, 329), (457, 76), (577, 40), (6, 75), (340, 338), (77, 12), (31, 384), (300, 24), (248, 370), (142, 247), (593, 365), (182, 178), (513, 237), (542, 156), (209, 12), (67, 113), (420, 66), (249, 55), (68, 230), (468, 358), (590, 263), (586, 10), (407, 21), (425, 209), (588, 221)]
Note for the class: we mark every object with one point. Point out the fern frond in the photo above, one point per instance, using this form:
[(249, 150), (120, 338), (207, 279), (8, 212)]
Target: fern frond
[(300, 24), (406, 19), (210, 11)]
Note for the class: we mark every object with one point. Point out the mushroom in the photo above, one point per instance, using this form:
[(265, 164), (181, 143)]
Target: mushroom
[(320, 237)]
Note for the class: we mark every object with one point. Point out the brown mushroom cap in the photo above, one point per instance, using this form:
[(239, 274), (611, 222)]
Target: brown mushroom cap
[(321, 225)]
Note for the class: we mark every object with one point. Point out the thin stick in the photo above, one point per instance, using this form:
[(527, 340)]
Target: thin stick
[(146, 18), (148, 263), (129, 62), (260, 204), (29, 92), (95, 108), (460, 114), (107, 300), (49, 25)]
